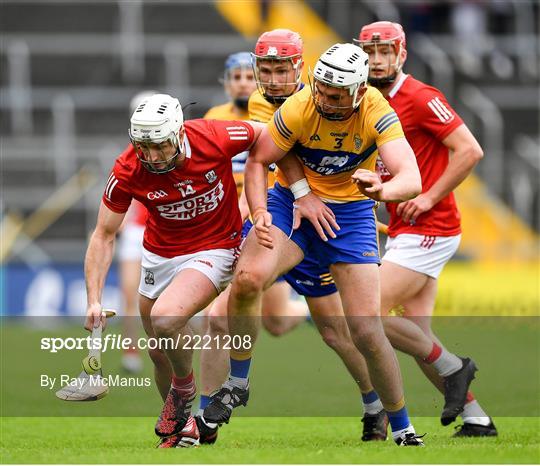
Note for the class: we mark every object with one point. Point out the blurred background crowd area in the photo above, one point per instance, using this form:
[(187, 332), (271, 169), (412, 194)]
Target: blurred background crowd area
[(70, 68)]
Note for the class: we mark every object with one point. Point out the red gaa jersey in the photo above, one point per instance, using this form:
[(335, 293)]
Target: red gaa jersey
[(193, 207), (136, 214), (426, 118)]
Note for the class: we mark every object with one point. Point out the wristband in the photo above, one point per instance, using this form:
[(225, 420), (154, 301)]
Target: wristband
[(300, 188)]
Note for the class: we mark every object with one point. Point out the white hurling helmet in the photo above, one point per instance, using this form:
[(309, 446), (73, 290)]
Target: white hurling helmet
[(342, 66), (157, 119)]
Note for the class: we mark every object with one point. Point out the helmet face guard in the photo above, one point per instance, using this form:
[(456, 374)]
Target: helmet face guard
[(338, 105), (167, 149), (277, 64), (272, 75), (379, 49), (376, 40)]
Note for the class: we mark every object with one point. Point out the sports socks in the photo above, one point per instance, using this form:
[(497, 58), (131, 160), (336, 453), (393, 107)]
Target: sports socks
[(473, 412), (185, 386), (204, 401), (240, 364), (372, 403), (398, 417), (443, 361)]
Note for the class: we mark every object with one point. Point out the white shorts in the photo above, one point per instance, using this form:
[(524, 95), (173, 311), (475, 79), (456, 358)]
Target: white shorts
[(424, 254), (130, 246), (157, 272)]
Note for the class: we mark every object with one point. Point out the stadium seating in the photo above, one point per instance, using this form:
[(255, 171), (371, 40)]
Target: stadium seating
[(69, 71)]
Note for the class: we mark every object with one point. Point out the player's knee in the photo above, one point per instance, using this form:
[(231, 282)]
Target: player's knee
[(368, 339), (275, 325), (166, 325), (248, 284), (158, 357), (217, 323), (331, 338)]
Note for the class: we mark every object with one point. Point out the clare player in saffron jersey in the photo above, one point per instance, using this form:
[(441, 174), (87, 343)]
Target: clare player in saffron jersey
[(335, 130)]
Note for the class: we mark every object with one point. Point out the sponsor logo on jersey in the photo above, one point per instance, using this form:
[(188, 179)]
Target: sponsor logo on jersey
[(315, 137), (188, 209), (156, 195), (334, 160), (369, 253), (440, 110), (210, 176)]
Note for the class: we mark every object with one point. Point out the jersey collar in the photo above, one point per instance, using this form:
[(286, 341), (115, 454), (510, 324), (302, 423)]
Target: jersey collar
[(398, 85)]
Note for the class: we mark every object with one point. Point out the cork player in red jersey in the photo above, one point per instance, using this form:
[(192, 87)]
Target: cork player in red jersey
[(181, 172), (424, 232)]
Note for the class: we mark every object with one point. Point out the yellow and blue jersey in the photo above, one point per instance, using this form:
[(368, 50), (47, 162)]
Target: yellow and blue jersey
[(225, 112), (260, 109), (331, 151)]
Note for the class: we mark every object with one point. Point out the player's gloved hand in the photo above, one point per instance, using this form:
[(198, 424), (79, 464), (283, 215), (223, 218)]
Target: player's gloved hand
[(410, 210), (369, 184), (94, 316), (318, 213), (262, 221)]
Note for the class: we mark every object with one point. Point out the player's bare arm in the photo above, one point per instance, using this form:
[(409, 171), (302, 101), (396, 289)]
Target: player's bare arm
[(399, 159), (257, 128), (262, 154), (98, 260), (465, 153), (307, 204), (242, 201)]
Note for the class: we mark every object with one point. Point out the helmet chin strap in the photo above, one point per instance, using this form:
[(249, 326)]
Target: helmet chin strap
[(381, 83), (276, 100), (241, 102)]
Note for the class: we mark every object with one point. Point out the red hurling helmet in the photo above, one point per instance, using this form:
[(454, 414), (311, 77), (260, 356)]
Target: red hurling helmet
[(384, 33), (278, 45)]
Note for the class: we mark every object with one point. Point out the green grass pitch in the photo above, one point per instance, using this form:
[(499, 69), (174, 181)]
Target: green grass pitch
[(304, 408), (258, 440)]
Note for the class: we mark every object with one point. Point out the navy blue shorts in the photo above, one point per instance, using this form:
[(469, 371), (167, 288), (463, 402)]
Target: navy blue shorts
[(355, 243), (308, 278)]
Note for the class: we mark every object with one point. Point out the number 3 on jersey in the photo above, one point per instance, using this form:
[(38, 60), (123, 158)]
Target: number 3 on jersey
[(339, 143)]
